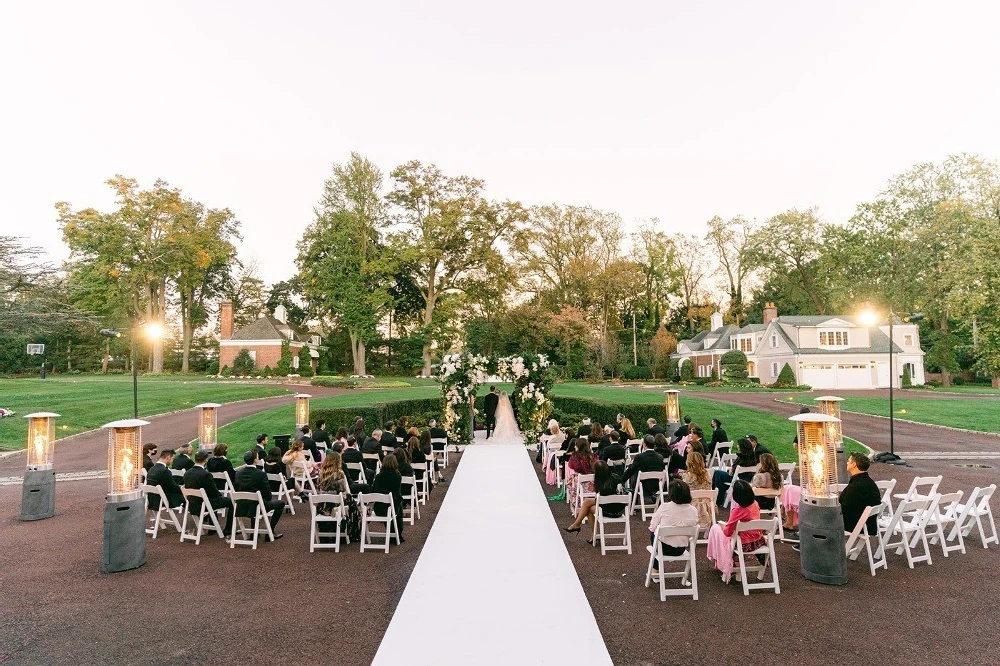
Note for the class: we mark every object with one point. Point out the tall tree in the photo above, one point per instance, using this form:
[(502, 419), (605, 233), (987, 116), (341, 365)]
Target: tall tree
[(451, 235), (245, 289), (790, 243), (342, 267), (691, 271), (732, 241)]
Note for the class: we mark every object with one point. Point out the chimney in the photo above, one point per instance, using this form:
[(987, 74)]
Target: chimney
[(716, 320), (280, 315), (770, 313), (226, 319)]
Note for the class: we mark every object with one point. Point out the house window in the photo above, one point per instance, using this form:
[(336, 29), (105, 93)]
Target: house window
[(732, 343), (774, 369), (746, 345), (295, 361), (908, 340), (833, 339), (774, 341), (253, 354)]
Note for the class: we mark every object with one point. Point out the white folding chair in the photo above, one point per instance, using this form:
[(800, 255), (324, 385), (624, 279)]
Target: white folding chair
[(946, 516), (307, 455), (300, 475), (359, 468), (709, 496), (386, 450), (787, 470), (227, 488), (172, 516), (367, 502), (908, 523), (860, 538), (726, 461), (205, 512), (721, 449), (440, 446), (771, 514), (973, 512), (255, 529), (601, 520), (748, 469), (921, 487), (560, 465), (767, 527), (335, 502), (689, 576), (422, 484), (638, 496), (885, 488), (580, 482), (178, 475), (411, 505), (283, 493), (629, 443), (142, 474), (374, 457)]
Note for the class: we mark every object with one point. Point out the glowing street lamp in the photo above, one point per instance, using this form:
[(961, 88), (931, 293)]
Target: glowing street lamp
[(673, 406), (302, 409), (152, 331), (208, 425), (38, 494), (821, 524), (124, 506)]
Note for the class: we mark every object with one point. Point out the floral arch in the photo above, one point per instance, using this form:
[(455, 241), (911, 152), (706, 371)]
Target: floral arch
[(462, 374)]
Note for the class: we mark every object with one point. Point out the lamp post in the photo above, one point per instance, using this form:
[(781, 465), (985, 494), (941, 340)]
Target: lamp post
[(821, 524), (124, 507), (153, 331), (673, 408), (869, 318), (208, 426), (38, 494)]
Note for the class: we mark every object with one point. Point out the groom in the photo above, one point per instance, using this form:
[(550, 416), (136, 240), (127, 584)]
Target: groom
[(490, 403)]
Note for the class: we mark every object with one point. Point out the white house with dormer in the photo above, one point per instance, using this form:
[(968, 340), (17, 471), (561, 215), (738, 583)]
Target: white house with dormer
[(824, 351)]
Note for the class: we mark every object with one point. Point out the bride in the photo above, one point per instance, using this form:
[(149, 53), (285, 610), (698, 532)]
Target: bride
[(506, 431)]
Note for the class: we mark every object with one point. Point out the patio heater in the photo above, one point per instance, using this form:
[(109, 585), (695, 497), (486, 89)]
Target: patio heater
[(821, 525), (208, 426), (38, 494), (301, 410), (124, 506), (830, 405), (673, 409)]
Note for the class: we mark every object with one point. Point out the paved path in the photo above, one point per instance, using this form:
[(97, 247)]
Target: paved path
[(496, 575)]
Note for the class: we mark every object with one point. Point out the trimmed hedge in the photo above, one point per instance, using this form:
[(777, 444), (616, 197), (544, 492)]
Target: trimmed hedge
[(377, 414), (638, 372)]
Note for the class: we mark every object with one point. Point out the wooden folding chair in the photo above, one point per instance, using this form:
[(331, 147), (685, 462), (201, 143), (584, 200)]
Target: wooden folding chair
[(859, 538), (206, 512), (689, 576), (260, 514), (316, 517), (172, 515), (367, 502)]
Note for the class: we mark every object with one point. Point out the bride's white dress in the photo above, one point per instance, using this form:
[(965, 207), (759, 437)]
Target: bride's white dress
[(507, 430)]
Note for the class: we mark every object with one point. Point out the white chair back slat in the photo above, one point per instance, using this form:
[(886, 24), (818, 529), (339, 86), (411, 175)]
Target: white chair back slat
[(259, 518), (688, 576), (335, 503)]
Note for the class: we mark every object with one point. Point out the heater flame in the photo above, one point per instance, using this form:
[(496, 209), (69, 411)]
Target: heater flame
[(817, 466), (125, 467), (40, 441), (208, 433)]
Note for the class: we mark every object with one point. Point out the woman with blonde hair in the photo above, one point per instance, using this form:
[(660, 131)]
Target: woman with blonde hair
[(767, 477), (696, 477), (626, 431), (296, 454)]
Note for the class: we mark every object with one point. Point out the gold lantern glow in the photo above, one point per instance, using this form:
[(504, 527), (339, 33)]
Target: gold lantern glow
[(817, 458), (673, 406), (208, 425), (41, 439), (302, 409), (124, 457), (830, 405)]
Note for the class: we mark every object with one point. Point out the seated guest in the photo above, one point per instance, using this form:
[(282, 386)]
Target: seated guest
[(357, 429), (428, 449), (719, 436), (183, 458), (758, 448), (401, 430), (605, 438), (352, 454), (653, 429), (647, 460), (220, 463), (296, 454), (768, 477), (373, 444), (261, 447), (332, 479), (309, 444), (625, 431), (551, 430), (437, 432), (678, 512), (861, 492), (596, 432), (584, 429), (405, 470), (274, 465), (682, 431), (340, 437), (148, 451), (388, 481), (416, 456), (320, 435), (605, 483), (388, 436), (568, 443), (159, 475), (614, 453), (696, 438), (744, 509), (199, 477), (696, 477), (251, 479), (581, 462), (744, 458), (660, 445)]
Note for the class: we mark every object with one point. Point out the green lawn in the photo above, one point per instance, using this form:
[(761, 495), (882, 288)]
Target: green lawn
[(696, 387), (981, 390), (86, 402), (978, 414), (774, 431)]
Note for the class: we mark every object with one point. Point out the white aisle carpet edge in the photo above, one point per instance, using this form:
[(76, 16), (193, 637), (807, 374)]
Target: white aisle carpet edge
[(494, 583)]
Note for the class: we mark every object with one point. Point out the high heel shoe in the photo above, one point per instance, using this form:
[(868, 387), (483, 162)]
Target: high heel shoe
[(572, 529)]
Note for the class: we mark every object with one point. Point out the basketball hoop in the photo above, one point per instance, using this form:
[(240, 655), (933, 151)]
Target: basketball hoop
[(36, 350)]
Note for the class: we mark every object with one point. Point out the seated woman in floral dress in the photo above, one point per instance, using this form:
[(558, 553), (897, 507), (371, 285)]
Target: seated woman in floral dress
[(581, 462), (696, 477)]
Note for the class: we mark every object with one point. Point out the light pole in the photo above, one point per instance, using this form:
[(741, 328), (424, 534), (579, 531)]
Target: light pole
[(870, 318), (153, 331)]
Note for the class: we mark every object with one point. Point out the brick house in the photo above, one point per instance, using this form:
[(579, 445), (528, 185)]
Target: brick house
[(262, 338)]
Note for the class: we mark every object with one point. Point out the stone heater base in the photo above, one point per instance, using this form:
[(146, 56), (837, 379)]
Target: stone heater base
[(124, 534), (38, 497), (822, 543)]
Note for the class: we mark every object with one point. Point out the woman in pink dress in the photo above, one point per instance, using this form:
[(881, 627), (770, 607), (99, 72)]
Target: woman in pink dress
[(745, 508), (581, 462)]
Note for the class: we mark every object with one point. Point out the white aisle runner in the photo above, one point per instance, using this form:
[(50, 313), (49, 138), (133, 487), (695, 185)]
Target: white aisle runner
[(494, 583)]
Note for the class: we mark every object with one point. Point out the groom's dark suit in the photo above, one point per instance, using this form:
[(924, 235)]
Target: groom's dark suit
[(490, 403)]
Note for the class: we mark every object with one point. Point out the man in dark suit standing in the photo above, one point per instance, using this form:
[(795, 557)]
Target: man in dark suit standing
[(250, 479), (159, 475), (646, 460), (261, 447), (490, 403), (183, 458), (199, 477)]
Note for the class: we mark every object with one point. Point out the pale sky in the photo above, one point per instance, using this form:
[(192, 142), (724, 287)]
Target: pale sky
[(657, 109)]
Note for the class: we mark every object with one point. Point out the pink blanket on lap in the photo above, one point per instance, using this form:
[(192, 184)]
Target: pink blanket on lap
[(720, 549)]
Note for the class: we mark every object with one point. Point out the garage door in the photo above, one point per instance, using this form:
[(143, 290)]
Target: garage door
[(853, 376), (819, 375)]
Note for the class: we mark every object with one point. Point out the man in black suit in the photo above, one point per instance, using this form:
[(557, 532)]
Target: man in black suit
[(159, 475), (320, 435), (653, 429), (861, 492), (261, 447), (646, 460), (309, 444), (614, 451), (199, 477), (682, 431), (250, 479), (436, 431), (490, 403), (585, 428), (388, 438), (183, 458), (373, 445), (758, 449), (352, 454)]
